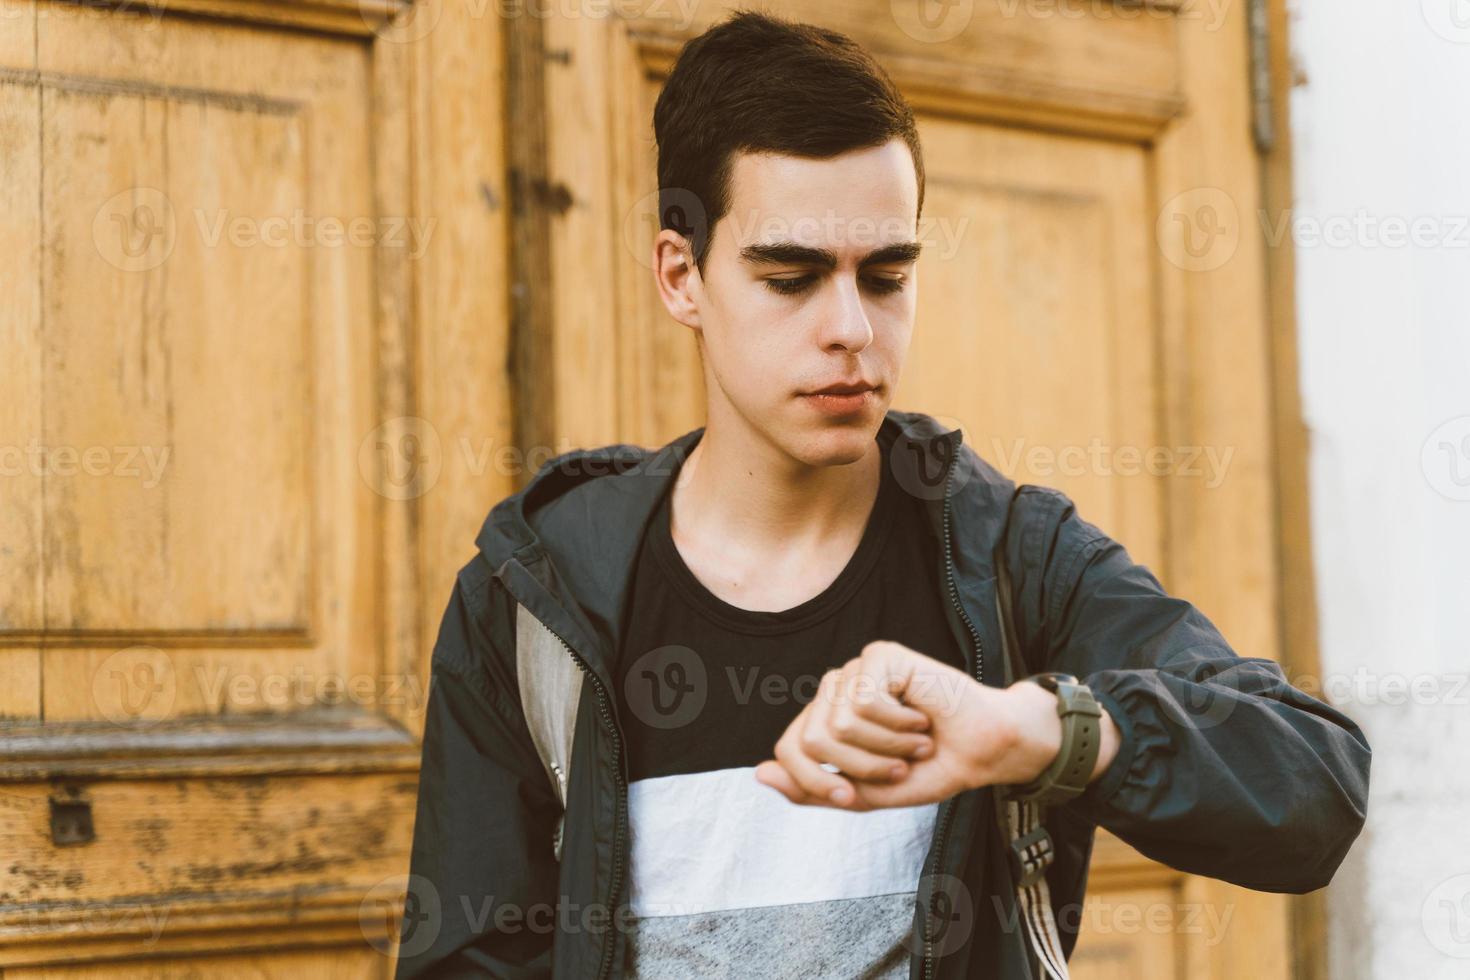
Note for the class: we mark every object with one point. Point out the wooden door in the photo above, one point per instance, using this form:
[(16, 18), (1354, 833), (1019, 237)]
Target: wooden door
[(232, 506), (1091, 312)]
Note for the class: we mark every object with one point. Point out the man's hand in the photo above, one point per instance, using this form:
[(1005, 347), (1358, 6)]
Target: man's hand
[(906, 729)]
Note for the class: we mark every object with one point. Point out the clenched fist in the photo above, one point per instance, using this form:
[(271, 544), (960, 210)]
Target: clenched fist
[(905, 729)]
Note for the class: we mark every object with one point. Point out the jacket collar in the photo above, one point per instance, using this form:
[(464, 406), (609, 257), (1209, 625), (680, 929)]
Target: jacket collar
[(571, 536)]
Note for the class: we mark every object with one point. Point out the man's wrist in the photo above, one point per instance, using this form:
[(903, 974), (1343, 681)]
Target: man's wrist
[(1039, 733)]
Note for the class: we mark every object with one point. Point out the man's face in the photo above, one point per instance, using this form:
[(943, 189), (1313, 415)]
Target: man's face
[(810, 282)]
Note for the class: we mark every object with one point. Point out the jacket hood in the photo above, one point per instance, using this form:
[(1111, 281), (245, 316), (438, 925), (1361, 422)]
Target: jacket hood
[(577, 525)]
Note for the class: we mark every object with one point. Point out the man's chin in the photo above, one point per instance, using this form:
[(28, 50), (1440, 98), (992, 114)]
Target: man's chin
[(820, 440)]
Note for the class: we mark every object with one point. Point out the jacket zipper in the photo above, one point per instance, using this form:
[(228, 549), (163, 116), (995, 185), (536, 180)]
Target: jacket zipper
[(605, 964), (947, 810)]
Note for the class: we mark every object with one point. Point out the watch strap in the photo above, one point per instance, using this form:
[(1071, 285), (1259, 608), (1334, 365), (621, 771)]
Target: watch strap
[(1068, 774)]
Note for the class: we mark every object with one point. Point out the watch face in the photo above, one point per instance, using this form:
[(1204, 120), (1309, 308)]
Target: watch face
[(1051, 680)]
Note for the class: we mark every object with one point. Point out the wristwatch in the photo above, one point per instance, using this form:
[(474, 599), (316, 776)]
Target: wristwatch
[(1069, 772)]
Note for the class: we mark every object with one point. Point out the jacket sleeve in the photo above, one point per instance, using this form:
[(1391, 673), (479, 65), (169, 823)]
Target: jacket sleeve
[(1224, 768), (481, 892)]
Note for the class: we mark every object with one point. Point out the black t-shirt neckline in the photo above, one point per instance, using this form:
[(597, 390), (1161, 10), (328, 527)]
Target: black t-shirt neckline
[(767, 622)]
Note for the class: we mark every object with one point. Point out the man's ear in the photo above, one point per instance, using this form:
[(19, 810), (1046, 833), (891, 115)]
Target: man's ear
[(677, 277)]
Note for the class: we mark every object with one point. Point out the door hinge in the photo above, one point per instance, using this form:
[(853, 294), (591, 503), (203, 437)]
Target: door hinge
[(1263, 99)]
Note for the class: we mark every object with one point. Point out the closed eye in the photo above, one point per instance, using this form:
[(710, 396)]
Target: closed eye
[(793, 286)]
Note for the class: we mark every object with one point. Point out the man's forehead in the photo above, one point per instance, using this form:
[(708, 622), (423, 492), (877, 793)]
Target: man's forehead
[(813, 198)]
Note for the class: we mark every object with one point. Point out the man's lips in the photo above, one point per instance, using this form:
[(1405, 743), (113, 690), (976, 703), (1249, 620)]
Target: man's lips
[(841, 401), (843, 389)]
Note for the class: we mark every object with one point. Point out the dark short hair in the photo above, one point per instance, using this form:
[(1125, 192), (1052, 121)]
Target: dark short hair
[(756, 83)]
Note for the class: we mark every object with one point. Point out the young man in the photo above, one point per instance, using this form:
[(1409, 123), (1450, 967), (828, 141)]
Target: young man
[(789, 728)]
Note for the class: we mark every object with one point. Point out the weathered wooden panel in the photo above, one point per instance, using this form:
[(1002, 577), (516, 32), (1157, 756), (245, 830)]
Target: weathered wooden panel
[(215, 232), (142, 840), (347, 963)]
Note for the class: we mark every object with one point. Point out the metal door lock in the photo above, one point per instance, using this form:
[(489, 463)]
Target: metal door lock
[(71, 817)]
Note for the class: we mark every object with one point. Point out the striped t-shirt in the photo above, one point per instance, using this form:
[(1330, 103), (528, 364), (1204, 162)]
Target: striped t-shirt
[(727, 877)]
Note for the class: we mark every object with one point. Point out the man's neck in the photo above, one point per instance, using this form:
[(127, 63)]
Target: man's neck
[(762, 530)]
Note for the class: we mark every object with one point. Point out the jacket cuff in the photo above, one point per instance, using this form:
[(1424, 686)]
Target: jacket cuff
[(1101, 790)]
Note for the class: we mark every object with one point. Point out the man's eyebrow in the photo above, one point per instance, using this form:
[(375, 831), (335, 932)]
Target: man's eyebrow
[(790, 253)]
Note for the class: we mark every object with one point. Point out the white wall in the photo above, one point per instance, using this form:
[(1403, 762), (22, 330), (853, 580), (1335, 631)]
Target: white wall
[(1382, 150)]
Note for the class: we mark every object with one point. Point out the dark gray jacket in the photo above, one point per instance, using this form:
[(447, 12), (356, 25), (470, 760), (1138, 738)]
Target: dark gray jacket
[(1224, 769)]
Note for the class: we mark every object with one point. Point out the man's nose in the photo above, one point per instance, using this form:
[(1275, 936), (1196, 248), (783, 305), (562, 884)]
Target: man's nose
[(846, 324)]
